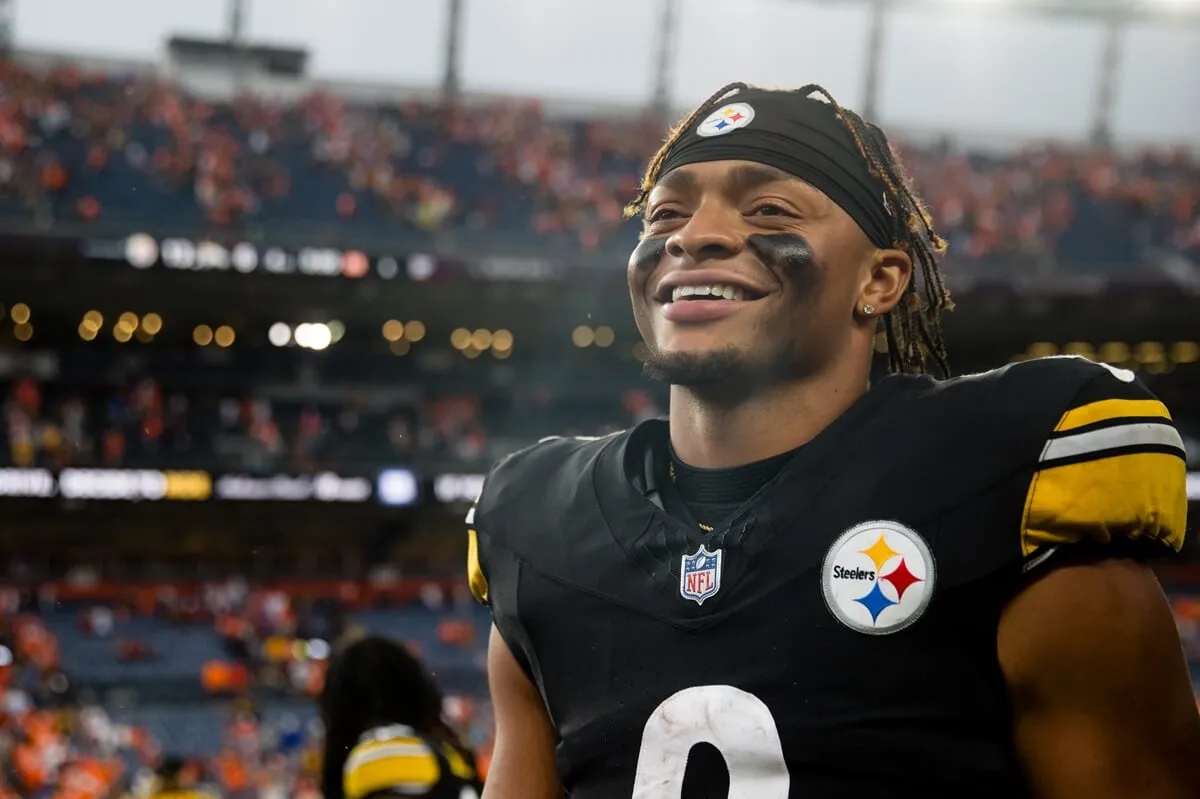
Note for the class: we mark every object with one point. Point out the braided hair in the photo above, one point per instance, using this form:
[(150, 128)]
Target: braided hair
[(913, 329)]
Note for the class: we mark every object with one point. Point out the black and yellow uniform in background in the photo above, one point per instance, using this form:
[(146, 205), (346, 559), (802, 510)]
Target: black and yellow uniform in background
[(835, 635), (394, 760)]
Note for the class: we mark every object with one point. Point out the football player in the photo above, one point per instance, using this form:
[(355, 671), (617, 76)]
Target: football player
[(384, 733), (174, 779), (803, 585)]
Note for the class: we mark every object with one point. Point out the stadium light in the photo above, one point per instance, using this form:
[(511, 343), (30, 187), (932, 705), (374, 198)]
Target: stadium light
[(152, 323), (20, 313), (279, 334), (583, 336), (321, 336), (414, 331), (481, 339), (393, 330), (1185, 352), (502, 341), (1149, 352), (1081, 348), (313, 336)]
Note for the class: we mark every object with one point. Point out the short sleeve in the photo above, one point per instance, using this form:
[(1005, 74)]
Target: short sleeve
[(1112, 471), (404, 765), (476, 577)]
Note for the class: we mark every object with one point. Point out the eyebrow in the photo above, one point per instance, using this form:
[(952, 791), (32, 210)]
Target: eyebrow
[(739, 180)]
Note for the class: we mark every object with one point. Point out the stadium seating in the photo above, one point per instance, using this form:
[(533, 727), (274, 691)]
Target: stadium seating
[(128, 154)]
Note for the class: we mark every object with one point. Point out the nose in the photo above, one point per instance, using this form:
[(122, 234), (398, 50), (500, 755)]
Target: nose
[(710, 233)]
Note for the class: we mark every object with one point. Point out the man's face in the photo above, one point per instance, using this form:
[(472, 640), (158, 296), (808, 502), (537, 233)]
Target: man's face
[(744, 274)]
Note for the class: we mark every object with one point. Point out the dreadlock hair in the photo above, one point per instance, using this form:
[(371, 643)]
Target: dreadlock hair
[(373, 682), (170, 774), (913, 329)]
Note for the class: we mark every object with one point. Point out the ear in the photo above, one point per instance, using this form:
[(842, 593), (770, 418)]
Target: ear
[(885, 276)]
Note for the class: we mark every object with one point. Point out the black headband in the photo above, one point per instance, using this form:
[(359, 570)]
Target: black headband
[(799, 135)]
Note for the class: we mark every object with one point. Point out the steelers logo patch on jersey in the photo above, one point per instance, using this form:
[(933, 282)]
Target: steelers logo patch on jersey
[(878, 577), (726, 119)]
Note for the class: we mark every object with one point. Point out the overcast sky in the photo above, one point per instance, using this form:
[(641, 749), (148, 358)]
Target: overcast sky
[(958, 69)]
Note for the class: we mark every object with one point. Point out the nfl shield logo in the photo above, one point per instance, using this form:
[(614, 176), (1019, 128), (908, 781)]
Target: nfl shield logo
[(700, 575)]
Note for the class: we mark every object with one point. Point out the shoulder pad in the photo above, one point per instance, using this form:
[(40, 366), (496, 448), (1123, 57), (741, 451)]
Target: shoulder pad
[(960, 437), (553, 468), (1112, 467), (1020, 460), (403, 764), (532, 472)]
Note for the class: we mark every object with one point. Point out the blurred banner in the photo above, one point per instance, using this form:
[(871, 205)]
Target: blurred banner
[(143, 253), (395, 487), (152, 485)]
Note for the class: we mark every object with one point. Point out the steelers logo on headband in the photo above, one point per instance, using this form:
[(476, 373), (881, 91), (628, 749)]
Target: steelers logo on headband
[(726, 119), (800, 135)]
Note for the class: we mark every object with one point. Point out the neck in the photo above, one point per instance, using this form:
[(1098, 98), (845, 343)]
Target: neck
[(722, 434)]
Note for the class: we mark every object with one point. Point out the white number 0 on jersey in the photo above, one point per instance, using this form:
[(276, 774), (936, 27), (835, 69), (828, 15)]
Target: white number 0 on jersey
[(737, 723)]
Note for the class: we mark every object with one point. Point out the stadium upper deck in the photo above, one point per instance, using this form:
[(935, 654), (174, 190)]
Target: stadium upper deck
[(135, 152)]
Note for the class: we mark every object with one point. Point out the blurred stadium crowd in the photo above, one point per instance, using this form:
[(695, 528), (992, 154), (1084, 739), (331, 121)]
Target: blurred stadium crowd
[(137, 423), (226, 639), (85, 148), (184, 644), (98, 146)]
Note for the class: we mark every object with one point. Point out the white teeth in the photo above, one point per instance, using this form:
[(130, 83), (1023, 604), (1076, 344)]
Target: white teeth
[(717, 290)]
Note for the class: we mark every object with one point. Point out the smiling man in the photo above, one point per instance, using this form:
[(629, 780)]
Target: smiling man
[(804, 585)]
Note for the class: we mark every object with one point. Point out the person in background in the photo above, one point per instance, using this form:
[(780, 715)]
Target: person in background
[(384, 732), (177, 781)]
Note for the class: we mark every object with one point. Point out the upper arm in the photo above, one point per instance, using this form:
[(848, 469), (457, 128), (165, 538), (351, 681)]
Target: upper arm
[(1102, 702), (523, 763)]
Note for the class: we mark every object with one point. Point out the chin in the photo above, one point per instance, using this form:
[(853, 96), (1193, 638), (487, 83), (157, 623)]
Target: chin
[(700, 340), (694, 367)]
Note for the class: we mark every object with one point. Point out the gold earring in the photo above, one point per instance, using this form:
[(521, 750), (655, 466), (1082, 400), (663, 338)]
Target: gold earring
[(868, 310)]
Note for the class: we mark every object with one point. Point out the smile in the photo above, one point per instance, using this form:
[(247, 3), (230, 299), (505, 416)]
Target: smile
[(707, 292), (714, 292), (705, 303)]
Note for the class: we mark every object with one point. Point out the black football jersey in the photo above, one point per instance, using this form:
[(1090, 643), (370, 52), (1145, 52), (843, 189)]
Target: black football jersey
[(836, 637), (396, 761)]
